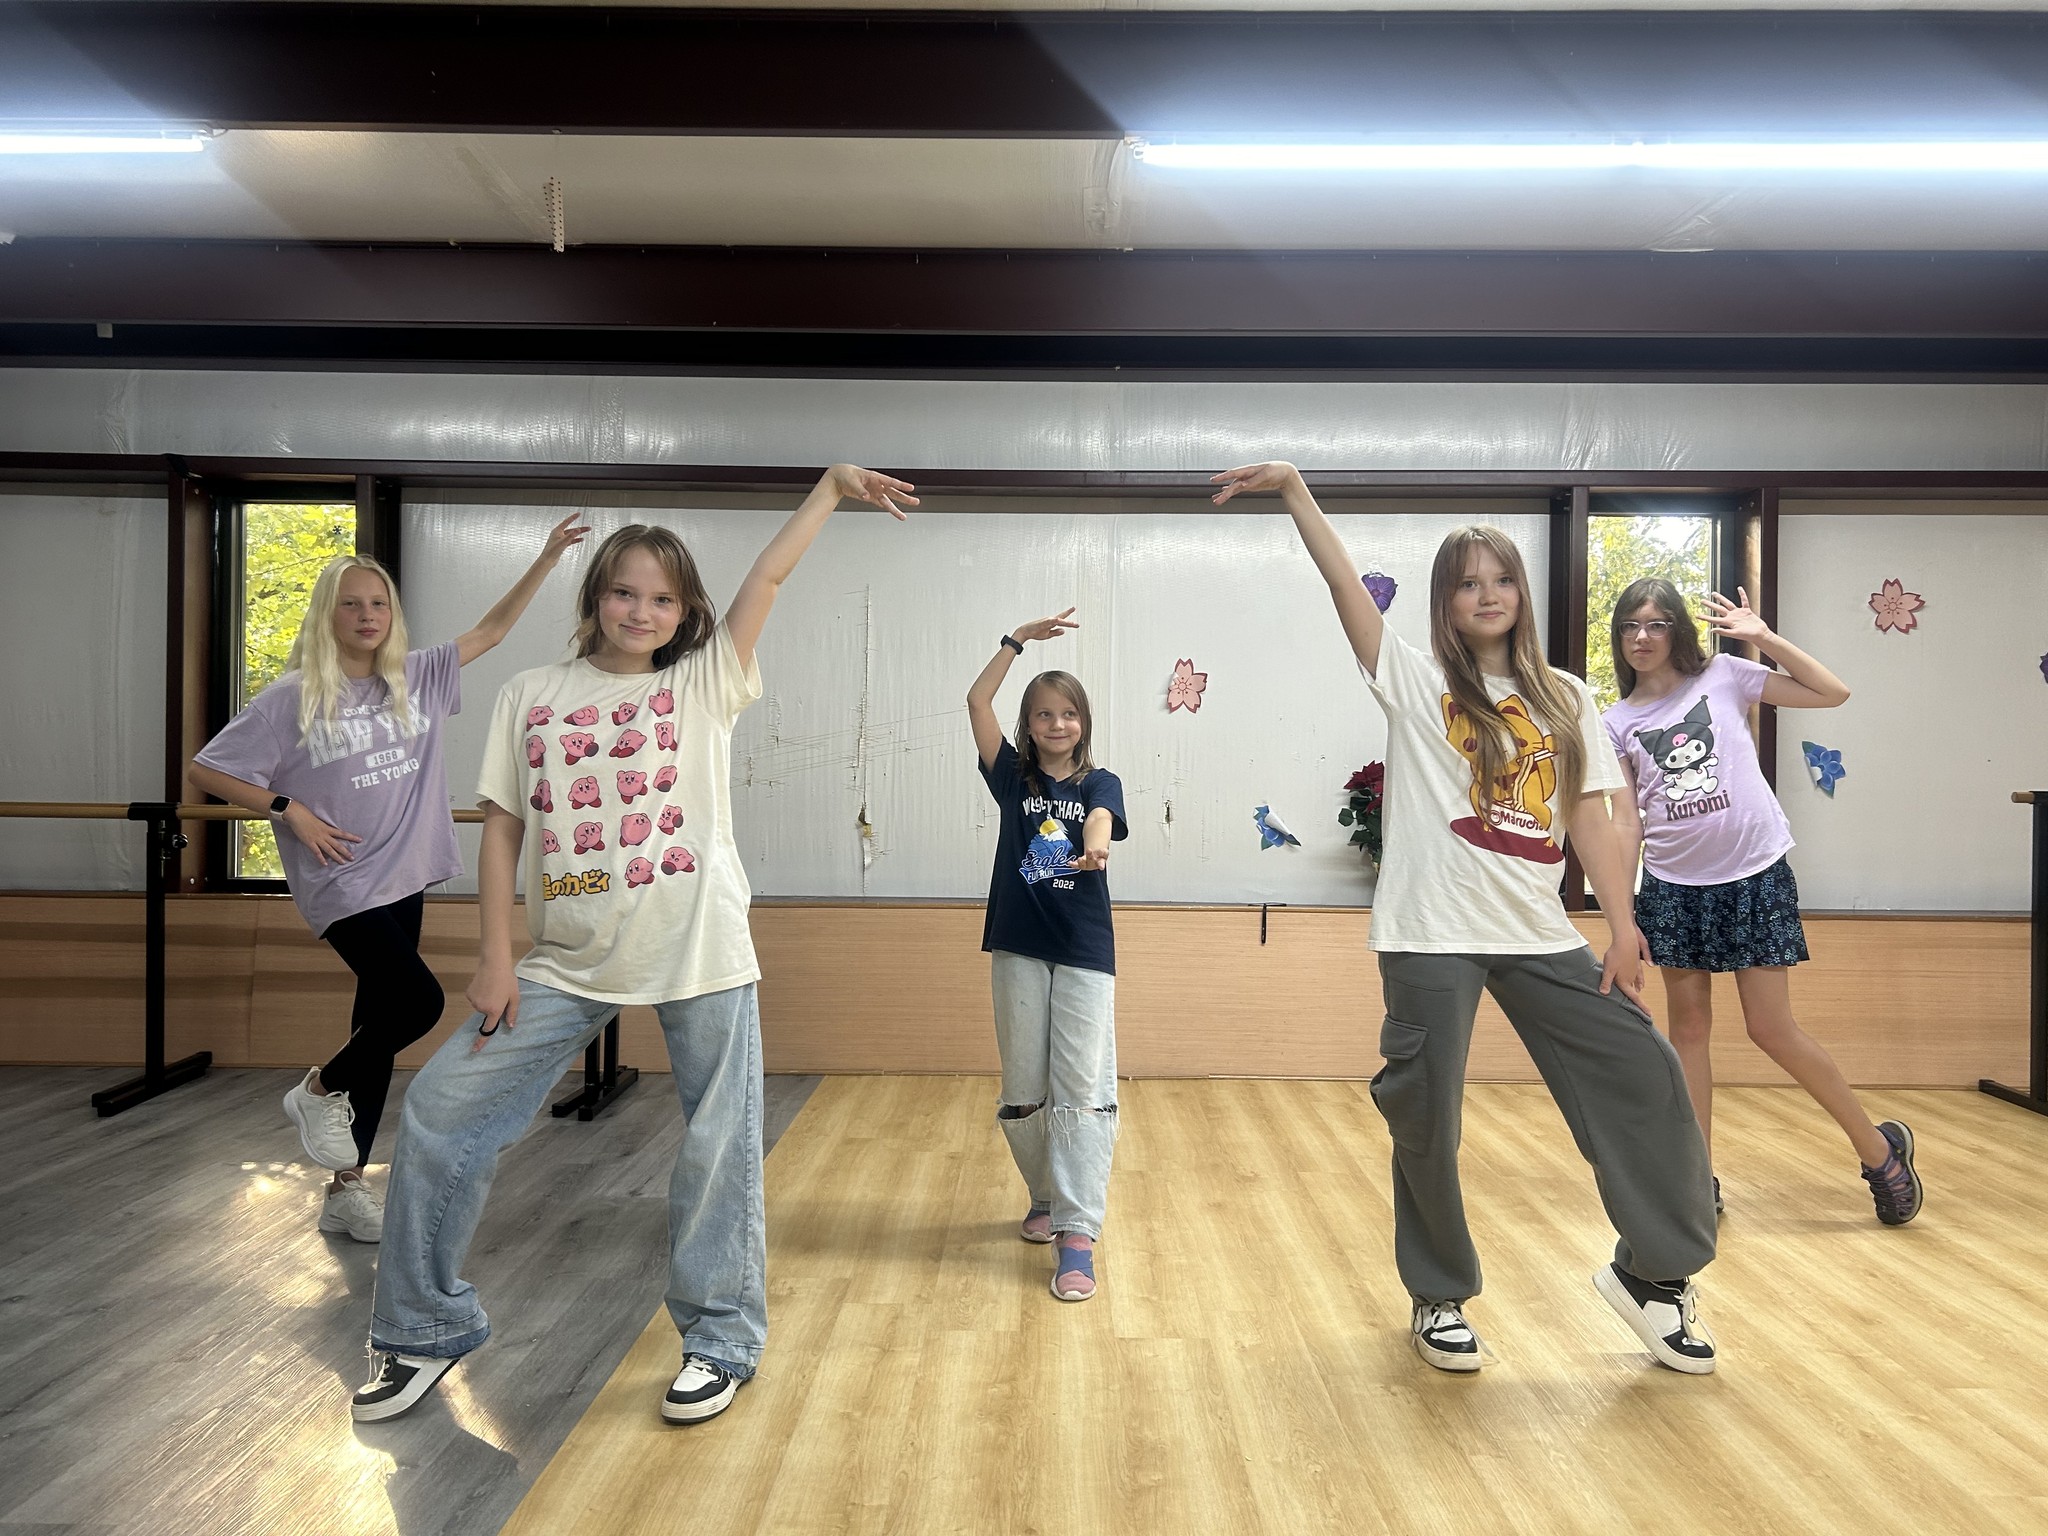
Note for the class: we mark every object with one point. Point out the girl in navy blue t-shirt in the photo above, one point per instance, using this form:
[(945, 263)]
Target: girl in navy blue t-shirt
[(1052, 951)]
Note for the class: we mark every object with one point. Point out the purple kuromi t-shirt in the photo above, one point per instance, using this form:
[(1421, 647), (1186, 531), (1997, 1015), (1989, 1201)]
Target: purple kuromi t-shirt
[(1708, 815), (360, 773)]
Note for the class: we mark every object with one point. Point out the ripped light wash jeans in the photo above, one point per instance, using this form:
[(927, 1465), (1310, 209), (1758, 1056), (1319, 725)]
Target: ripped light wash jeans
[(1056, 1030)]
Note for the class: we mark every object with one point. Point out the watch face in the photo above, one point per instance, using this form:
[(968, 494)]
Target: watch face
[(280, 805)]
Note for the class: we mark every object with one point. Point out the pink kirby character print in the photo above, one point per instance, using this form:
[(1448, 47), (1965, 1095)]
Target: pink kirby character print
[(536, 752), (639, 872), (587, 715), (635, 830), (671, 817), (665, 735), (624, 713), (549, 843), (662, 702), (665, 777), (540, 714), (628, 743), (584, 793), (632, 784), (677, 861), (579, 745), (589, 837), (543, 796)]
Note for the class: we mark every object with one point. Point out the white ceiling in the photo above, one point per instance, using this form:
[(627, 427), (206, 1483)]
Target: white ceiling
[(959, 193)]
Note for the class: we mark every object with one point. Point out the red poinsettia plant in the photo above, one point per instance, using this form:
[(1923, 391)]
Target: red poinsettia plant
[(1368, 791)]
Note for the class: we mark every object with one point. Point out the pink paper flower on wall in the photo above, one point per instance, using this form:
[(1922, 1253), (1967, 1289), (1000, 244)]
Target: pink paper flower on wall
[(1895, 607), (1185, 691)]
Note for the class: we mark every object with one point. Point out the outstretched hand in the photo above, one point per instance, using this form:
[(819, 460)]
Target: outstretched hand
[(873, 487), (1045, 629), (1090, 859), (565, 536), (1250, 478), (1735, 620)]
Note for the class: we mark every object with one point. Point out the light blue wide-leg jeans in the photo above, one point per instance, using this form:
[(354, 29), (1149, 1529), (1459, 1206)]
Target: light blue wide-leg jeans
[(1056, 1032)]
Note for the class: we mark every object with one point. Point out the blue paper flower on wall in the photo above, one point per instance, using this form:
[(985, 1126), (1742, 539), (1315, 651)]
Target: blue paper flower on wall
[(1825, 764), (1273, 831)]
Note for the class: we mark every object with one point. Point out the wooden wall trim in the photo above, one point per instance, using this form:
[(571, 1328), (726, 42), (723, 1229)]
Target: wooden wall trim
[(1922, 1001)]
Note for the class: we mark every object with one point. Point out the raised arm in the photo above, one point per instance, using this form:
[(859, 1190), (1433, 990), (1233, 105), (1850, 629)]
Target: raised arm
[(494, 989), (1804, 684), (748, 614), (981, 694), (1356, 610), (497, 624)]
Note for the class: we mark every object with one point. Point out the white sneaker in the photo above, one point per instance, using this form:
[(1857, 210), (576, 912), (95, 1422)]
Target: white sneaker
[(1443, 1337), (324, 1122), (396, 1383), (703, 1389), (355, 1209)]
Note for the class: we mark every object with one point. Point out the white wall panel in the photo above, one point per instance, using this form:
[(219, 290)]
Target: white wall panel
[(868, 656), (1027, 424), (1943, 723), (82, 584)]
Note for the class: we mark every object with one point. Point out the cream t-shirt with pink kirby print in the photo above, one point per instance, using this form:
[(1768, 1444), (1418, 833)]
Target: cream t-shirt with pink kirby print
[(634, 890)]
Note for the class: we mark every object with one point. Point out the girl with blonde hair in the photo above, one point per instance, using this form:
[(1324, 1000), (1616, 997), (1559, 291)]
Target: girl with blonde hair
[(351, 737)]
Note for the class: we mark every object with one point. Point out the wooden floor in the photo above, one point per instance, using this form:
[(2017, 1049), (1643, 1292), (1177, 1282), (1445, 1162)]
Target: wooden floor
[(178, 1342), (1246, 1365)]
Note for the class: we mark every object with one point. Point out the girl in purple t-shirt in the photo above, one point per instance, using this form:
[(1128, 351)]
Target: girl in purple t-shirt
[(351, 738), (1717, 892)]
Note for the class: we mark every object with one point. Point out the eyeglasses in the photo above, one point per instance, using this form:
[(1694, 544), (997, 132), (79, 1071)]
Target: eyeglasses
[(1656, 629)]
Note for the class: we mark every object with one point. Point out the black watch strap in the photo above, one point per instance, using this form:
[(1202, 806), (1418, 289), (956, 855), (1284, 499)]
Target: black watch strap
[(1014, 644), (280, 805)]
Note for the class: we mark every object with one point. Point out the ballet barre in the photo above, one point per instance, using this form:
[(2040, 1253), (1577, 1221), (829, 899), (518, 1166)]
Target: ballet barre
[(604, 1079), (2035, 1095)]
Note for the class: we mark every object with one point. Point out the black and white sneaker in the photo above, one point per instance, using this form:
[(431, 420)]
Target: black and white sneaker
[(1443, 1337), (1665, 1317), (396, 1383), (1896, 1186), (703, 1389)]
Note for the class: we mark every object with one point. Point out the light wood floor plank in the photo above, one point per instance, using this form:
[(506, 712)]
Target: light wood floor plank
[(1246, 1365)]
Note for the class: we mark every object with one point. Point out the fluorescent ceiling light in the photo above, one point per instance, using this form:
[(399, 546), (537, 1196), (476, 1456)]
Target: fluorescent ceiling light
[(2022, 156), (183, 142)]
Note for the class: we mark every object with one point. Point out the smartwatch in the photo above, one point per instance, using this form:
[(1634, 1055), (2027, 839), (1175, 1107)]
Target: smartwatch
[(280, 805), (1014, 644)]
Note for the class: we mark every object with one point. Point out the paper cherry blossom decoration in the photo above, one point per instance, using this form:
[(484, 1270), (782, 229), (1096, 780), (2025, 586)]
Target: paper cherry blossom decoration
[(1185, 691), (1382, 587), (1895, 607)]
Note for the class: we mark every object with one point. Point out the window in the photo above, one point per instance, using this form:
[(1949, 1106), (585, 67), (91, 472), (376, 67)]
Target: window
[(282, 548), (1633, 537)]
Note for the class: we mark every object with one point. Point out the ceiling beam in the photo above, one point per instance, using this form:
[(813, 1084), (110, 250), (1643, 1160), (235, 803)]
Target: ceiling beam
[(1890, 295), (580, 69)]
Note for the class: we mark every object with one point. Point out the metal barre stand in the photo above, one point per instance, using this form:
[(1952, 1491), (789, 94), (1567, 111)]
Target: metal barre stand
[(603, 1082), (2036, 1095)]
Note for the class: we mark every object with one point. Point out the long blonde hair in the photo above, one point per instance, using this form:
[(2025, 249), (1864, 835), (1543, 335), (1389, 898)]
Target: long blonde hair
[(317, 658), (1542, 689)]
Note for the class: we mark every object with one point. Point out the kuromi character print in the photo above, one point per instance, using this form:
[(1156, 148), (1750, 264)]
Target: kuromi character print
[(1684, 754)]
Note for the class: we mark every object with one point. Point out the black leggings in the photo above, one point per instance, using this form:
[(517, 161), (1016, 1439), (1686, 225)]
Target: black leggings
[(397, 1001)]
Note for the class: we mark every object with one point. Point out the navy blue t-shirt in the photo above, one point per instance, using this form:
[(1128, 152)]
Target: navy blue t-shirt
[(1036, 905)]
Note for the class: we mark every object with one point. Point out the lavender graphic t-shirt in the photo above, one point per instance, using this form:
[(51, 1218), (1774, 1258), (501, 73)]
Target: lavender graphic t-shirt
[(1708, 815), (361, 773)]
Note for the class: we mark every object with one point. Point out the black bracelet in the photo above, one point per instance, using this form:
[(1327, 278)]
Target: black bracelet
[(1014, 644)]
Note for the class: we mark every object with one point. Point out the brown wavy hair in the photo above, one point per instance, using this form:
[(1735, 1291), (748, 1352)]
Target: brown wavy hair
[(1068, 687), (1551, 698), (1686, 653), (700, 618)]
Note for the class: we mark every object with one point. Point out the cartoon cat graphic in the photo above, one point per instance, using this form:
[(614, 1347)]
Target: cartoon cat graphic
[(1518, 822), (1685, 753)]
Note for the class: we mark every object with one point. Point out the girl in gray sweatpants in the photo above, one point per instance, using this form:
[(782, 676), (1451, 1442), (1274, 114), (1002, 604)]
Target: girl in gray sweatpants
[(1492, 758)]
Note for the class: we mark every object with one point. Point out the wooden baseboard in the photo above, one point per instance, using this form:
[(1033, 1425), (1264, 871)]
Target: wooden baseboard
[(853, 988)]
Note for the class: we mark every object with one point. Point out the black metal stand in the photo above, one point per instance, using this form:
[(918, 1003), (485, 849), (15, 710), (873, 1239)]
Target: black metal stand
[(2036, 1095), (164, 842), (600, 1085)]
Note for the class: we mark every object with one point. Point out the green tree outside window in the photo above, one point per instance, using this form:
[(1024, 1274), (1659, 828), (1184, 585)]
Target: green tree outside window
[(285, 546)]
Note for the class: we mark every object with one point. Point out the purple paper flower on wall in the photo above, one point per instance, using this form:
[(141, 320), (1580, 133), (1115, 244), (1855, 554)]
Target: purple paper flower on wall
[(1382, 587)]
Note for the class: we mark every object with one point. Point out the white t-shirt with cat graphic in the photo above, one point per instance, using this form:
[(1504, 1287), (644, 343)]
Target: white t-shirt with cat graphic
[(1454, 880), (634, 890)]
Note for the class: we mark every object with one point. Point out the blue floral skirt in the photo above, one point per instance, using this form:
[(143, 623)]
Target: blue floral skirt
[(1731, 927)]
